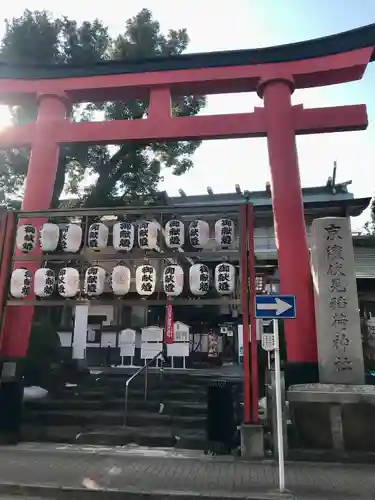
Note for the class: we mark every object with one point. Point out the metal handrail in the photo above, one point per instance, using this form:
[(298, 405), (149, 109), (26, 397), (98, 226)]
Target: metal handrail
[(135, 375)]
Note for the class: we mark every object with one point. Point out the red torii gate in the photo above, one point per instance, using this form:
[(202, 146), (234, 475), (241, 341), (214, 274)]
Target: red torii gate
[(272, 72)]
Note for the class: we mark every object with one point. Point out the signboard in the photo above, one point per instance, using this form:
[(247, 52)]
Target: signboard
[(275, 306), (127, 350), (178, 350), (126, 338), (108, 339), (240, 341), (169, 334), (152, 334), (268, 341), (227, 329), (126, 342), (181, 332), (150, 350)]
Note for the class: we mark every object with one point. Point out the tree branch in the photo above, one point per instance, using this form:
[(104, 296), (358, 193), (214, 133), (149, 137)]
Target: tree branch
[(105, 175)]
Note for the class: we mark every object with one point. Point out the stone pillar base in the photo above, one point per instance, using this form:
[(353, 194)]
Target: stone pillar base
[(252, 441), (334, 417)]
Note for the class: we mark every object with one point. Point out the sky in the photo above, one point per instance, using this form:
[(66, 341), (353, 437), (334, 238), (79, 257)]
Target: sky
[(240, 24)]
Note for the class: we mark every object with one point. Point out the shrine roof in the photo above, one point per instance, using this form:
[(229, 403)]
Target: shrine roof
[(314, 198), (359, 38)]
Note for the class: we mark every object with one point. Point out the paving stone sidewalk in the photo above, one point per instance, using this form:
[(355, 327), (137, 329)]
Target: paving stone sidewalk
[(162, 471)]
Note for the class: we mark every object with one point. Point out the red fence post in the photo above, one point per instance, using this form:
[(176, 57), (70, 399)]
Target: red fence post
[(253, 324), (245, 311)]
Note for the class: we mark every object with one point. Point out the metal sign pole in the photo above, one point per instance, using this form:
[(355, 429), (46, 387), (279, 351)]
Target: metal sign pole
[(279, 411), (276, 307)]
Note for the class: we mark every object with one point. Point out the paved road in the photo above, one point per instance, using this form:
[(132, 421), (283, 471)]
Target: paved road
[(150, 470)]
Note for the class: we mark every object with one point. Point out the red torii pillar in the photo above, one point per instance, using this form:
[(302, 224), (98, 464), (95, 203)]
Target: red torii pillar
[(40, 181), (289, 219)]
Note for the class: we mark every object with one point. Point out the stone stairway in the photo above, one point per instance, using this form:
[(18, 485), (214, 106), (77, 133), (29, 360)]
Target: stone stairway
[(174, 414)]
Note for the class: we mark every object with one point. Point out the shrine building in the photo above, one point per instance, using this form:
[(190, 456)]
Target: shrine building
[(106, 321)]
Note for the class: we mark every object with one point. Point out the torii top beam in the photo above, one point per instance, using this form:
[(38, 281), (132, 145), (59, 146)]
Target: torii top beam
[(323, 61)]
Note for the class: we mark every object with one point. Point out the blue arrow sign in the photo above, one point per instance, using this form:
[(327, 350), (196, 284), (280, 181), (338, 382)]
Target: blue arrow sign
[(275, 306)]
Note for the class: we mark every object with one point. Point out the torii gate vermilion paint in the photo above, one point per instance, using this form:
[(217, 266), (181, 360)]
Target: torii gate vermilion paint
[(272, 72)]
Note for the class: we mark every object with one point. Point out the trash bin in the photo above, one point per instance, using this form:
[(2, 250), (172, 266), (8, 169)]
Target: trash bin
[(11, 410), (221, 417)]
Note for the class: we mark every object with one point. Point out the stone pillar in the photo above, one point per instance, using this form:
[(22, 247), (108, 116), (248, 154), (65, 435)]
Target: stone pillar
[(39, 187), (289, 221), (340, 352), (252, 441)]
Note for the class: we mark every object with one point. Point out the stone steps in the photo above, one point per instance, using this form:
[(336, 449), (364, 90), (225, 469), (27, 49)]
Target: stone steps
[(112, 436), (139, 382), (116, 418), (194, 439), (153, 394), (184, 408), (93, 413)]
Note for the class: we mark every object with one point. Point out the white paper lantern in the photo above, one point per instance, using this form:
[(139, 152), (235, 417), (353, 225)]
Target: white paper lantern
[(145, 280), (199, 233), (98, 236), (199, 279), (123, 236), (121, 279), (71, 238), (20, 283), (94, 281), (148, 233), (173, 280), (44, 282), (225, 276), (225, 232), (26, 238), (49, 237), (68, 282), (174, 233)]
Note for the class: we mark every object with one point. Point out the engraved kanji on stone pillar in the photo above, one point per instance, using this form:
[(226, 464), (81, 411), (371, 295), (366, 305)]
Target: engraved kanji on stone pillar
[(340, 351)]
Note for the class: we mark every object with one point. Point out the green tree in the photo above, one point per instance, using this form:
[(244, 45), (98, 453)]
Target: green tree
[(369, 227), (131, 171)]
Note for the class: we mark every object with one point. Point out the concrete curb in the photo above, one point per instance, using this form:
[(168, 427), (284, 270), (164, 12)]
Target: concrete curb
[(181, 454), (64, 493)]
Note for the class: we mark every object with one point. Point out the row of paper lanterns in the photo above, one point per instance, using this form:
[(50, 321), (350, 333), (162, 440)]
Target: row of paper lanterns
[(124, 235), (68, 281)]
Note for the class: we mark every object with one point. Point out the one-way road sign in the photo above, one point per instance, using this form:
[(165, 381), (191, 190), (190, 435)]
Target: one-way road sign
[(275, 306)]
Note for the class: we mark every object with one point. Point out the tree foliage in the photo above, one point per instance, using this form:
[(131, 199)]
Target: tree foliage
[(369, 226), (131, 171)]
